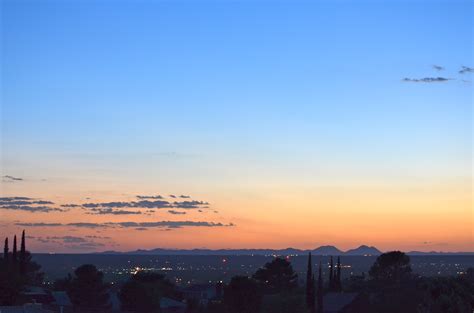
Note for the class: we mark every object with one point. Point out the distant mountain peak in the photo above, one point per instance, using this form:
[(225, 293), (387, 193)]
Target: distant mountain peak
[(364, 250), (327, 250)]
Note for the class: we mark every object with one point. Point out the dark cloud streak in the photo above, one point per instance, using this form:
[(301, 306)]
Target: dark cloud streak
[(427, 80), (466, 69)]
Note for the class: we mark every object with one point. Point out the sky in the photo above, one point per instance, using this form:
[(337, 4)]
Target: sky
[(237, 124)]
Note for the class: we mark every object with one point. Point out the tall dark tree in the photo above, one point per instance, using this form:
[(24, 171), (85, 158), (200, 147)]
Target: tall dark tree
[(242, 295), (391, 268), (23, 254), (14, 253), (338, 283), (320, 290), (277, 276), (87, 290), (5, 250), (12, 281), (310, 287)]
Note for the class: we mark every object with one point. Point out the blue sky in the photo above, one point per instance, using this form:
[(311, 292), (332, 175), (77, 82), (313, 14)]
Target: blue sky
[(235, 93)]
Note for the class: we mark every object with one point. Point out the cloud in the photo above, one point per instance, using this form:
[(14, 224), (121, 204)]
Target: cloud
[(147, 204), (29, 208), (438, 67), (75, 242), (170, 224), (149, 197), (157, 224), (172, 196), (190, 204), (85, 246), (427, 80), (466, 69), (68, 239), (184, 197), (70, 205), (27, 204), (99, 211), (176, 212), (10, 178), (23, 202), (14, 198), (86, 225), (41, 224), (98, 237)]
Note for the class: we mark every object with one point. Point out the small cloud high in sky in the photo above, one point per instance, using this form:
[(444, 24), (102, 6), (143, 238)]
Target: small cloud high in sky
[(236, 124)]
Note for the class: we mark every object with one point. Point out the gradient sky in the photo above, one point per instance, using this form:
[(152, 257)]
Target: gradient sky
[(292, 119)]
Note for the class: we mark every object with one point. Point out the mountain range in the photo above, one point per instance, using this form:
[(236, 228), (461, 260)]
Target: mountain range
[(362, 250)]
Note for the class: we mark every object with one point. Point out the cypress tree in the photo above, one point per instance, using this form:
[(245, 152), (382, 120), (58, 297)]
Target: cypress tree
[(320, 290), (14, 253), (338, 275), (5, 249), (23, 254), (310, 295), (313, 295), (331, 275)]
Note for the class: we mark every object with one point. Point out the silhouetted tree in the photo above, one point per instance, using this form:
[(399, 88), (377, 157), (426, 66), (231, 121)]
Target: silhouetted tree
[(143, 292), (338, 283), (277, 276), (392, 287), (331, 274), (446, 295), (87, 289), (320, 290), (13, 279), (242, 295), (11, 284), (391, 268), (310, 287), (5, 250), (14, 252), (23, 254)]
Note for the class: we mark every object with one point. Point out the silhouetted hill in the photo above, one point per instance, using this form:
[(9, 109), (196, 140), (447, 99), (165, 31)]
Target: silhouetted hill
[(363, 250), (438, 253), (323, 250), (327, 250)]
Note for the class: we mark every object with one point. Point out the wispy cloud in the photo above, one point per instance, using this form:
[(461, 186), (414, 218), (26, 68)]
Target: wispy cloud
[(33, 209), (10, 178), (73, 242), (144, 202), (427, 80), (148, 204), (438, 67), (150, 197), (176, 212), (100, 211), (147, 225), (28, 204), (466, 69)]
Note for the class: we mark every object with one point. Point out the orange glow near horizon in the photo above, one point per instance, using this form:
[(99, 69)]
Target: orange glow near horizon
[(424, 218)]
